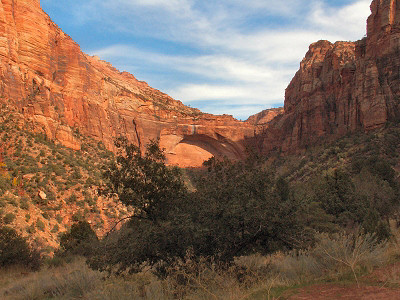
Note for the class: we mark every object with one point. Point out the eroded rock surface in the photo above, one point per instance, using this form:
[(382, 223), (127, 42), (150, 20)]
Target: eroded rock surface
[(343, 87), (44, 73)]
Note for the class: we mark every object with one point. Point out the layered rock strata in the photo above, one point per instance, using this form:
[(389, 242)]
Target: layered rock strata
[(44, 73), (343, 87)]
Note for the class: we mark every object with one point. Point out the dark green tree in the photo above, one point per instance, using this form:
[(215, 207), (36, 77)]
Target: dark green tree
[(336, 193), (79, 240), (374, 224), (159, 229), (240, 209), (143, 181), (236, 209), (14, 250)]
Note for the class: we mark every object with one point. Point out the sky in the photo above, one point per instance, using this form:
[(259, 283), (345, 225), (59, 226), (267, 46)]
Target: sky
[(221, 56)]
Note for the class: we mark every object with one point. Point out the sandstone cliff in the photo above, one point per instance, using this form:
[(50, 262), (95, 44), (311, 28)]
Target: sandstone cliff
[(44, 73), (264, 117), (343, 87)]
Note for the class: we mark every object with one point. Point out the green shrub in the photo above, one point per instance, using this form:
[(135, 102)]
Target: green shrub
[(9, 218), (236, 209), (55, 229), (59, 218), (5, 183), (31, 229), (14, 250), (80, 240), (50, 195), (71, 199), (76, 174), (90, 181), (13, 202), (78, 217), (40, 225), (24, 204)]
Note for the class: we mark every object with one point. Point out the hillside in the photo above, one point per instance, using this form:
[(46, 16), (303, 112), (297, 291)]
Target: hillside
[(46, 187), (47, 78)]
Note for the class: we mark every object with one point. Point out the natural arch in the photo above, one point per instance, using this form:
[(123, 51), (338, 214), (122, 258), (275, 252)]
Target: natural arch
[(193, 150)]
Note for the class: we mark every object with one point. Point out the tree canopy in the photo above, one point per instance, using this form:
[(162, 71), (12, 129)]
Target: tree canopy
[(236, 209), (143, 181)]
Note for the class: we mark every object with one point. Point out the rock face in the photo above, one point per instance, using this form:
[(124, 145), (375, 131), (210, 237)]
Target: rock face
[(44, 73), (265, 117), (343, 87)]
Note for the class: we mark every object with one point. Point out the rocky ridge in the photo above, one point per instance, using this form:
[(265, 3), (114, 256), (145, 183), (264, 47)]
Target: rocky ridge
[(343, 87), (264, 117), (46, 76)]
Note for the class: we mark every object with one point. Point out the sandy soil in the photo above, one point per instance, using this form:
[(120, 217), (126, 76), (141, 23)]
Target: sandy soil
[(383, 283)]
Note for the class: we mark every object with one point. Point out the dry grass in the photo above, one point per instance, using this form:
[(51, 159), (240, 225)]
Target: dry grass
[(332, 257), (251, 277), (71, 281)]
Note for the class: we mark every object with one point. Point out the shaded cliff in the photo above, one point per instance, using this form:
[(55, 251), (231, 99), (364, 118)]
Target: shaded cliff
[(44, 73), (343, 87)]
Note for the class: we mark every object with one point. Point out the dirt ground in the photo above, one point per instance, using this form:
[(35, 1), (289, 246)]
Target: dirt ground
[(383, 283), (327, 292)]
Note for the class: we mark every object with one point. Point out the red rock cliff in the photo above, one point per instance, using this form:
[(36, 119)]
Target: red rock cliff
[(343, 87), (44, 73), (264, 117)]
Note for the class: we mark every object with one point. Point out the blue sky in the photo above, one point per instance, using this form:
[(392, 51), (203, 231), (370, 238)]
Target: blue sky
[(222, 56)]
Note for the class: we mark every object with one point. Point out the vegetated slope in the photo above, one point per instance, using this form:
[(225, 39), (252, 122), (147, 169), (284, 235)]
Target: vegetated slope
[(31, 164), (45, 187), (46, 76), (342, 87), (361, 169), (354, 148)]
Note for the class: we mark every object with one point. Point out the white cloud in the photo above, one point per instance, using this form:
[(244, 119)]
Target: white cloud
[(196, 92), (346, 21), (235, 64)]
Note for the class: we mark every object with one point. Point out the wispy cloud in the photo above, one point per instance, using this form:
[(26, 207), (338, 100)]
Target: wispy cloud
[(226, 56), (346, 21)]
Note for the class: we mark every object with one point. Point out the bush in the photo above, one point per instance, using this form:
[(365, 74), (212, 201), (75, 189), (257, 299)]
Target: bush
[(237, 209), (332, 255), (24, 204), (40, 225), (14, 250), (55, 229), (71, 199), (351, 251), (9, 218), (80, 240)]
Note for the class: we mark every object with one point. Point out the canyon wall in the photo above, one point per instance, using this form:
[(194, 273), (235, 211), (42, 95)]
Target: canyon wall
[(343, 87), (340, 87), (44, 73), (264, 117)]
